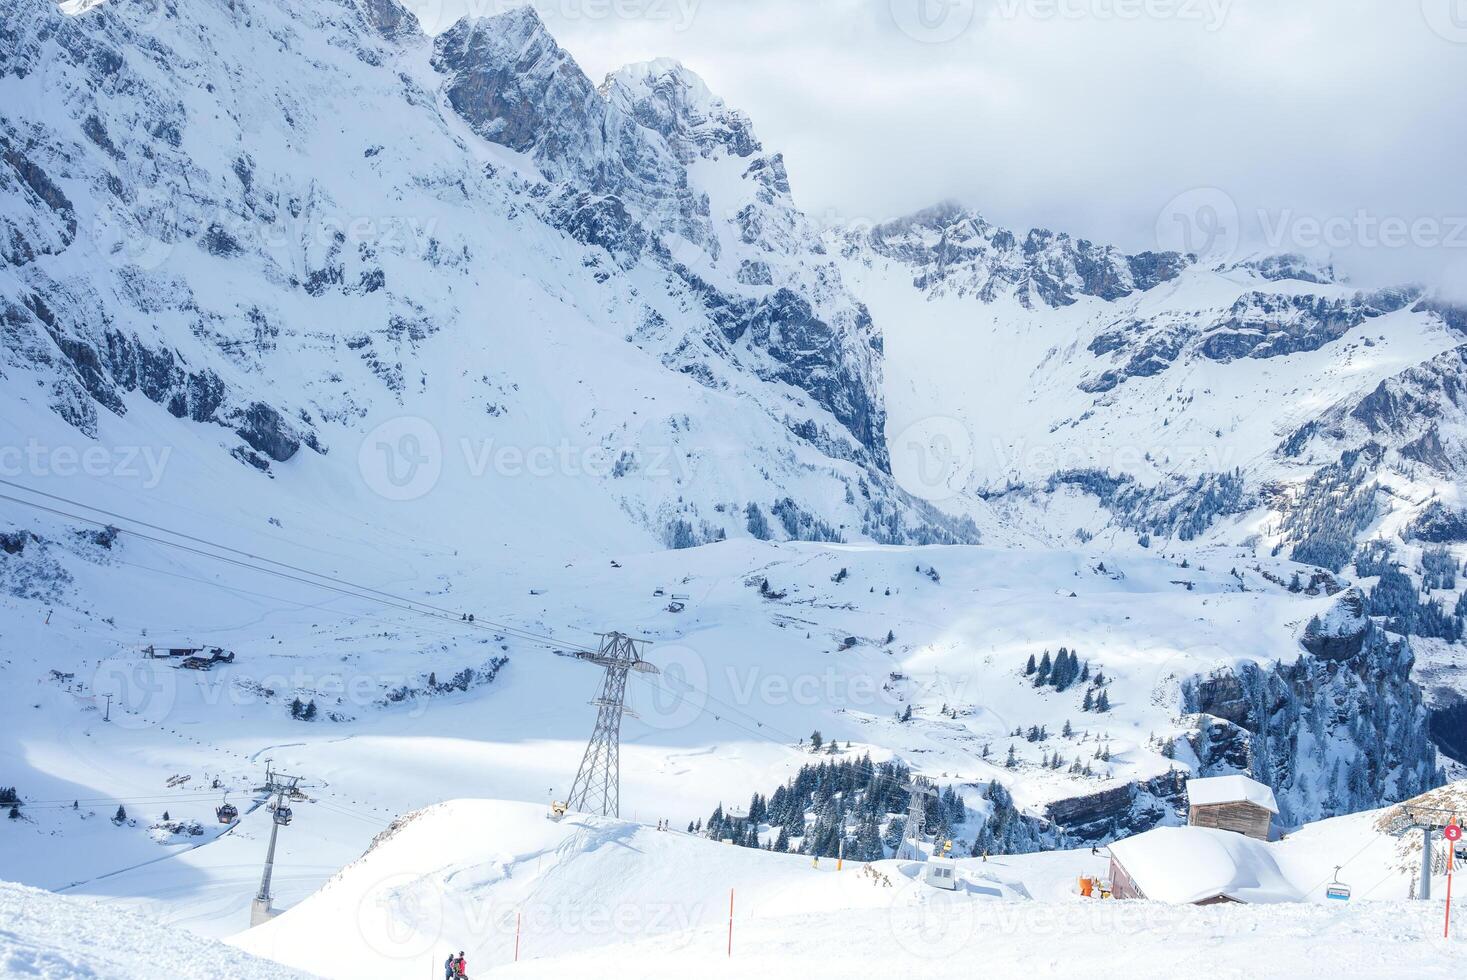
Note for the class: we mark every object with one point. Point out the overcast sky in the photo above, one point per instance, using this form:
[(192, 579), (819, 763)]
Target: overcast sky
[(1320, 124)]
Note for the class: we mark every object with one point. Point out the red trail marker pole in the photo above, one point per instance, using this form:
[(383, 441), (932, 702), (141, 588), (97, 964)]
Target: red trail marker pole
[(730, 922), (1447, 928), (1452, 833)]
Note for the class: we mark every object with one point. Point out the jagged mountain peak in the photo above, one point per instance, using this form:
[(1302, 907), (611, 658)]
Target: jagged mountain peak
[(954, 249), (1275, 267), (669, 98)]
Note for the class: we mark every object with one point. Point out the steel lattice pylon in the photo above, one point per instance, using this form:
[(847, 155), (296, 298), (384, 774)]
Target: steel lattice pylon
[(916, 829), (597, 788)]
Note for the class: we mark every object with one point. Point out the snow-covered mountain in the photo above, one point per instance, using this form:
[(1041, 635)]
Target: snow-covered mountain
[(183, 223), (442, 317)]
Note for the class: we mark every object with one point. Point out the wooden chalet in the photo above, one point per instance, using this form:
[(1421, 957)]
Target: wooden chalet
[(1236, 803)]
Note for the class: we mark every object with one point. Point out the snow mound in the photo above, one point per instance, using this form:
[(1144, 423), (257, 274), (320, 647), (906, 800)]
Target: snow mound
[(48, 935), (460, 873), (1183, 865)]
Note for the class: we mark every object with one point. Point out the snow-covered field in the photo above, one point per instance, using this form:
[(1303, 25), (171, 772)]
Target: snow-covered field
[(591, 895), (745, 679), (56, 938)]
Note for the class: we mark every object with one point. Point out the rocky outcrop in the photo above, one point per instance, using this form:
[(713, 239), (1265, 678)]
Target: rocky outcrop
[(514, 85), (1332, 733), (1262, 325), (1340, 634), (952, 250), (1111, 814)]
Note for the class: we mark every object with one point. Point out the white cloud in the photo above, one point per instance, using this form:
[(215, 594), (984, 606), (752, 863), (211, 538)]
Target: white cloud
[(1086, 115)]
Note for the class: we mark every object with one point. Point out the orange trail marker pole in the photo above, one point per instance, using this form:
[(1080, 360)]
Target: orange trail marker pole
[(730, 922), (1447, 928)]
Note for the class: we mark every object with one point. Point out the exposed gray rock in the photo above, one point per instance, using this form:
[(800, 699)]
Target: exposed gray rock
[(951, 249)]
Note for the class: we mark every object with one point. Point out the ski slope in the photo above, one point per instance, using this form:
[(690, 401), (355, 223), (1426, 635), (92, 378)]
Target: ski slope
[(596, 895), (745, 678), (47, 936)]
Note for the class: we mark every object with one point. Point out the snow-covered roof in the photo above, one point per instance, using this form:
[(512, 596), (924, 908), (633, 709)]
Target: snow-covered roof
[(1192, 864), (1230, 789)]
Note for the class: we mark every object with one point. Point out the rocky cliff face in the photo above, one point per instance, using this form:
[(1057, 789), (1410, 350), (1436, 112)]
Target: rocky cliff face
[(1341, 729), (240, 242), (1338, 730)]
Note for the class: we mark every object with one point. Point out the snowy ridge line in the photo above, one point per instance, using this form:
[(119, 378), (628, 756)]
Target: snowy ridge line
[(387, 598)]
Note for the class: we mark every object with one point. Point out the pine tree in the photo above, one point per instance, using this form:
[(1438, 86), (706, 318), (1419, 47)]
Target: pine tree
[(1041, 675), (1102, 704), (1088, 703), (1068, 729), (907, 714), (782, 842), (815, 741), (121, 815), (1012, 761), (1029, 667)]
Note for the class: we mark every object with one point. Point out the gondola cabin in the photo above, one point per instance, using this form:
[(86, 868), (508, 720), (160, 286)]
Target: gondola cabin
[(941, 873)]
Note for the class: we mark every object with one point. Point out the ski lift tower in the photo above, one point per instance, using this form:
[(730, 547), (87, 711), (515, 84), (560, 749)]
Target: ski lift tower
[(597, 788), (918, 789), (1431, 822), (280, 786)]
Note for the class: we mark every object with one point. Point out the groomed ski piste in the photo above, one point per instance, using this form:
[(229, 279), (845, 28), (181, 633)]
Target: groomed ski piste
[(592, 895)]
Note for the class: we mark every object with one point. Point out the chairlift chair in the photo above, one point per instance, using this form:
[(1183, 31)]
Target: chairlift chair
[(227, 812), (282, 815), (557, 811)]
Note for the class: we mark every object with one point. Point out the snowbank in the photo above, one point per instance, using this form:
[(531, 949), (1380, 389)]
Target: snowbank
[(48, 935)]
